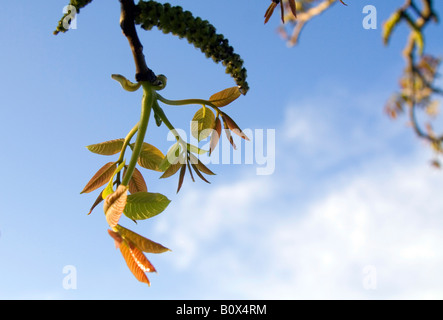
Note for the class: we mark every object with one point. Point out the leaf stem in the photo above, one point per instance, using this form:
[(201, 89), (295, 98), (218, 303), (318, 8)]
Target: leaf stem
[(187, 101), (147, 103), (159, 111), (126, 142)]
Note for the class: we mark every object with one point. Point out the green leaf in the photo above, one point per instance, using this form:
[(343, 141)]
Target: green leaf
[(419, 41), (144, 205), (150, 157), (141, 242), (389, 25), (194, 149), (107, 148), (225, 97), (202, 123), (170, 158)]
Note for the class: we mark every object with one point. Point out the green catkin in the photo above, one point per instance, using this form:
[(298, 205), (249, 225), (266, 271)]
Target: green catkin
[(198, 32), (78, 4)]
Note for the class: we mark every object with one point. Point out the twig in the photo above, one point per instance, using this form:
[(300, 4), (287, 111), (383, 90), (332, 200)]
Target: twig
[(127, 24)]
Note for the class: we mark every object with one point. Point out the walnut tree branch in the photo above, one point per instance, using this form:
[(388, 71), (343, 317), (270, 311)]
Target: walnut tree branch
[(127, 24)]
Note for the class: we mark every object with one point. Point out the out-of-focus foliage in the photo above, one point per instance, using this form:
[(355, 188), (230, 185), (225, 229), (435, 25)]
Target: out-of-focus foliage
[(417, 86)]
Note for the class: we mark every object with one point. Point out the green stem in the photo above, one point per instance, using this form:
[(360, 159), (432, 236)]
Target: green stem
[(126, 142), (147, 102), (186, 102), (159, 111)]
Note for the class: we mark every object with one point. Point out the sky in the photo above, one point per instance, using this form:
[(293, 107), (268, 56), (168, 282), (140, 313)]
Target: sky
[(337, 201)]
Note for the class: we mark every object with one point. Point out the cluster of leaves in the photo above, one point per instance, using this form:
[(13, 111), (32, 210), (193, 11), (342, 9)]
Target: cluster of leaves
[(418, 90), (292, 4), (133, 200), (299, 13), (123, 188)]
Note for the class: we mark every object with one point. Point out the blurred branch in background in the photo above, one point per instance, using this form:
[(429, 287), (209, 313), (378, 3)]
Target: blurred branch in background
[(418, 89)]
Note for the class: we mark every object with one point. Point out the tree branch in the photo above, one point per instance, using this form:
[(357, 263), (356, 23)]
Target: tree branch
[(127, 24)]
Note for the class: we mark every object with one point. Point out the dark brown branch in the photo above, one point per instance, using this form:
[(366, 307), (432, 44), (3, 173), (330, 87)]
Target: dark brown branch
[(127, 24)]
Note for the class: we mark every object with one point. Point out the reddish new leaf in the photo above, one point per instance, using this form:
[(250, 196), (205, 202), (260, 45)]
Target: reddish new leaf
[(136, 261), (137, 183), (293, 7), (215, 137), (117, 238), (270, 11), (101, 177), (181, 177), (141, 242), (172, 169), (115, 204), (227, 120), (96, 203), (200, 166)]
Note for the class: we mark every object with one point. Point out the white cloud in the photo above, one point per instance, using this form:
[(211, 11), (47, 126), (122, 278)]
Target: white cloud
[(391, 220), (261, 238)]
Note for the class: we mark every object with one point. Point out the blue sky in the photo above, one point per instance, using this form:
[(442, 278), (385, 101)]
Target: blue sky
[(351, 189)]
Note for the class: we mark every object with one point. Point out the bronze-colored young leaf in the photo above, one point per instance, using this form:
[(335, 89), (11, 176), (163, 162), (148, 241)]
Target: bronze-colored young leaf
[(173, 168), (225, 97), (199, 173), (190, 171), (96, 203), (181, 177), (150, 157), (141, 242), (202, 123), (117, 238), (233, 126), (293, 7), (270, 11), (110, 186), (137, 183), (107, 148), (100, 178), (200, 166), (215, 136), (145, 205), (228, 134), (136, 261), (115, 204)]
